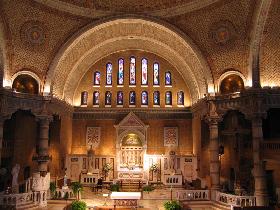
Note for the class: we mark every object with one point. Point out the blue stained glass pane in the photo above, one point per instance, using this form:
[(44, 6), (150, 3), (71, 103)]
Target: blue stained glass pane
[(132, 98), (156, 98), (96, 78), (132, 71), (108, 98), (96, 98), (168, 98), (120, 98), (180, 98), (156, 74), (144, 98), (121, 72), (109, 70), (167, 78)]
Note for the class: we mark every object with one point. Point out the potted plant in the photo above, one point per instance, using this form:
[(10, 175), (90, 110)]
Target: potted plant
[(78, 205), (147, 188), (172, 205), (53, 190), (115, 187), (77, 188)]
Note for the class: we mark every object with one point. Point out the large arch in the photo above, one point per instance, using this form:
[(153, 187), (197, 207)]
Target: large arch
[(100, 39)]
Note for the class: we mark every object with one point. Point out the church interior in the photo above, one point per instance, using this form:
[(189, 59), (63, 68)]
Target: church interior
[(181, 97)]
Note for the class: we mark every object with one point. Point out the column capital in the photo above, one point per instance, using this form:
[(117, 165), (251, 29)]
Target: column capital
[(44, 118)]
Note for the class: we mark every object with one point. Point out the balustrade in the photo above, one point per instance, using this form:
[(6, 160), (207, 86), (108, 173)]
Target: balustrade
[(192, 195), (235, 200)]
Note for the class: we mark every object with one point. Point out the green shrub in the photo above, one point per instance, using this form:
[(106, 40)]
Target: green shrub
[(115, 187), (78, 205), (147, 188), (52, 189), (172, 205), (77, 187)]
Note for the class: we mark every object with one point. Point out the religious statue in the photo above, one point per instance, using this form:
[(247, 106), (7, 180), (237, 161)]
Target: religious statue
[(15, 172)]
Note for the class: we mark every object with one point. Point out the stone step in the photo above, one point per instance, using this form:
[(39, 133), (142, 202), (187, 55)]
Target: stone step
[(29, 205)]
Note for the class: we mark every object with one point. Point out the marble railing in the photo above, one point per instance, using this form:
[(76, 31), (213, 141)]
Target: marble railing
[(60, 193), (235, 200), (17, 199), (192, 195)]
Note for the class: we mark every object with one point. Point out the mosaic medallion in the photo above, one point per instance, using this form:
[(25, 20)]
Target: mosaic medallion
[(33, 33), (222, 32)]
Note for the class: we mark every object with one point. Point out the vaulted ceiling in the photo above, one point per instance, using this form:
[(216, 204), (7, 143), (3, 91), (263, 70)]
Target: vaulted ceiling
[(227, 34)]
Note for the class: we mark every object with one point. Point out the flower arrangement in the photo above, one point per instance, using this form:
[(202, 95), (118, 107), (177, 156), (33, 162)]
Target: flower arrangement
[(107, 167), (154, 168)]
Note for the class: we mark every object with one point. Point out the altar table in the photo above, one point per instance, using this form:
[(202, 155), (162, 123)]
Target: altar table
[(126, 198)]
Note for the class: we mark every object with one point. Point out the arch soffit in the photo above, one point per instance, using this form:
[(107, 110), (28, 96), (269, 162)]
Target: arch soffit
[(128, 44), (228, 73), (97, 33)]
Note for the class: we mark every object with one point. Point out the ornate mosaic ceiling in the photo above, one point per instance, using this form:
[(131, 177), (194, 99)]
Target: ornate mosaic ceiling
[(95, 8)]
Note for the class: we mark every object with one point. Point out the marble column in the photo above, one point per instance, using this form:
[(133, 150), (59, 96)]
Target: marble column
[(214, 155), (1, 137), (43, 145), (258, 170)]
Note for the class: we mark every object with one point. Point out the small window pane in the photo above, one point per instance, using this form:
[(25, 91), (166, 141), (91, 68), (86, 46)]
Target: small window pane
[(168, 98), (108, 98), (144, 74), (168, 80), (156, 74), (132, 71), (109, 70), (132, 98)]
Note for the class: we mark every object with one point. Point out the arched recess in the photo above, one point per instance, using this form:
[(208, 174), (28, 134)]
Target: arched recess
[(228, 73), (98, 40), (30, 73)]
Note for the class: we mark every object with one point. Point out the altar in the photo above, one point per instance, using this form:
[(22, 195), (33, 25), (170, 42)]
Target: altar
[(126, 198)]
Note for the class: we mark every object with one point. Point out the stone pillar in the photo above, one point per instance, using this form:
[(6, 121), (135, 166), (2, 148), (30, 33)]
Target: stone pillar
[(1, 137), (258, 170), (214, 157), (43, 145)]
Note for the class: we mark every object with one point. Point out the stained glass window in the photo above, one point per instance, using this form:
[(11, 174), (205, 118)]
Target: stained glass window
[(156, 98), (96, 78), (132, 98), (168, 80), (144, 73), (132, 71), (121, 72), (96, 98), (180, 98), (168, 98), (109, 70), (144, 98), (108, 98), (156, 74), (84, 98), (119, 98)]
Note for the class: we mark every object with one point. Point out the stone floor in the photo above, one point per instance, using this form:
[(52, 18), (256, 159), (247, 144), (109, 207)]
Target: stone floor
[(97, 200)]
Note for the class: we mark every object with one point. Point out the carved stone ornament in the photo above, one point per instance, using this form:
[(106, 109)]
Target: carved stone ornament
[(222, 32), (93, 136), (170, 136), (33, 33)]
